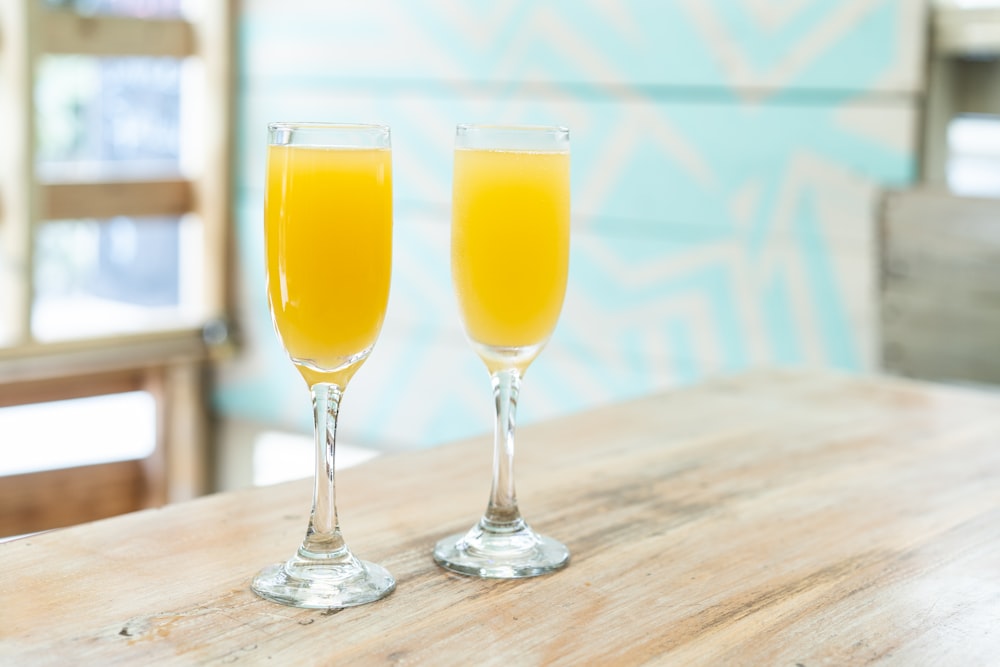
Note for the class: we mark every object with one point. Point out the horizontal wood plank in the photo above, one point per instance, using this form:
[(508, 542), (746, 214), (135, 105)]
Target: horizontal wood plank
[(71, 386), (966, 31), (940, 289), (923, 356), (55, 498), (773, 518), (608, 48), (106, 199), (109, 354), (66, 32)]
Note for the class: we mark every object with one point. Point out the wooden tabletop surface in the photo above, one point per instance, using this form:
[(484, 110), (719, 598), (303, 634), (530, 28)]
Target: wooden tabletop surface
[(774, 518)]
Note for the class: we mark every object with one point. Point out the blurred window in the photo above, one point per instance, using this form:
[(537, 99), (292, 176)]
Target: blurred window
[(974, 155), (35, 437), (114, 216)]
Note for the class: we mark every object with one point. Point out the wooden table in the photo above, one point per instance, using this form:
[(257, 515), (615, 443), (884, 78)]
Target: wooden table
[(775, 518)]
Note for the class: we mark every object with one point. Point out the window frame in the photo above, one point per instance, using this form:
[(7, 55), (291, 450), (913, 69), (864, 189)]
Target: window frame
[(963, 59), (171, 363)]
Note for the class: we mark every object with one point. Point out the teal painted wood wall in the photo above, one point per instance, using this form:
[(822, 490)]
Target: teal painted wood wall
[(727, 157)]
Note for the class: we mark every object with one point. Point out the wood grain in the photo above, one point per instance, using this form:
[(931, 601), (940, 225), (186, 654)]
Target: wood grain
[(775, 518), (64, 497), (69, 32), (940, 286), (106, 199)]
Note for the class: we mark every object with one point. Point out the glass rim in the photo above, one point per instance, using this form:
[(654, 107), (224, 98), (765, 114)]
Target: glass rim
[(510, 137), (330, 135), (512, 127), (324, 125)]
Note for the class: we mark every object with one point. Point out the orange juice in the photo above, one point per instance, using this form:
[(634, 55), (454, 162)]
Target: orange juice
[(328, 246), (510, 243)]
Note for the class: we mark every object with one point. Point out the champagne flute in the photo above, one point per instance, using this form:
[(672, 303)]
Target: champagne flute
[(510, 259), (328, 241)]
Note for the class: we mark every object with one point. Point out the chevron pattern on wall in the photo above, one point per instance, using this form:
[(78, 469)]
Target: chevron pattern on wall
[(727, 156)]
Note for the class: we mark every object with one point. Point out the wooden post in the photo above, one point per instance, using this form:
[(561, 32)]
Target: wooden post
[(18, 189)]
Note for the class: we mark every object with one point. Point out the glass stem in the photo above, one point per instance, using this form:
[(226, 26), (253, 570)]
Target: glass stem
[(502, 514), (323, 539)]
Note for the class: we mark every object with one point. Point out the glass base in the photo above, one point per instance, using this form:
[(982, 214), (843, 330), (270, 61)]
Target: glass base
[(317, 584), (500, 554)]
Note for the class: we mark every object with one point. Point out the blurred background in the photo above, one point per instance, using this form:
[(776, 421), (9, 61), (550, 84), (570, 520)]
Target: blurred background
[(755, 183)]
